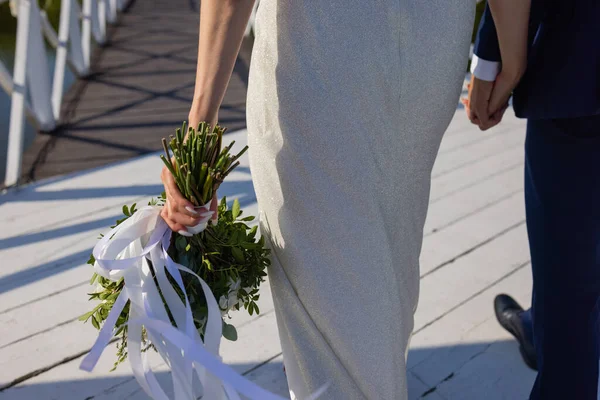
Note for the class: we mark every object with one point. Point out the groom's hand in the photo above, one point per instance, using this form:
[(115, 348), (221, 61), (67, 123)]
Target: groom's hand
[(477, 104), (503, 88)]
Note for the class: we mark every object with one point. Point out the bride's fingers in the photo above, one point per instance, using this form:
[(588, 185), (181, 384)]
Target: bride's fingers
[(174, 196), (176, 214), (175, 227), (214, 205)]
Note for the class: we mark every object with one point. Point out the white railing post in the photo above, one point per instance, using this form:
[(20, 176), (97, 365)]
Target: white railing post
[(112, 11), (75, 40), (17, 109), (99, 21), (31, 73), (61, 56), (38, 73), (86, 32)]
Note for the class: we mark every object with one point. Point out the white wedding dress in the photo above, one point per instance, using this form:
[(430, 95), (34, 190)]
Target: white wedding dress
[(347, 103)]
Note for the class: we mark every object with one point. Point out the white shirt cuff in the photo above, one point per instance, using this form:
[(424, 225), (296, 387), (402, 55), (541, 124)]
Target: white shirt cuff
[(484, 69)]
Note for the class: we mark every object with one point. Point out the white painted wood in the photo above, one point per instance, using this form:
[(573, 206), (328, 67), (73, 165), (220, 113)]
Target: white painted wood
[(38, 75), (449, 343), (112, 11), (471, 200), (75, 40), (61, 56), (271, 377), (43, 350), (73, 46), (474, 231), (68, 382), (17, 110), (86, 32), (470, 154), (448, 287), (258, 343), (512, 379), (50, 313), (99, 21), (486, 169), (479, 226), (44, 287)]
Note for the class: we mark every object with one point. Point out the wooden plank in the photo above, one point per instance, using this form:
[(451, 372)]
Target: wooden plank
[(486, 169), (43, 315), (43, 351), (470, 154), (50, 322), (445, 346), (496, 374), (471, 200), (447, 245), (448, 287), (258, 343), (460, 134), (270, 376)]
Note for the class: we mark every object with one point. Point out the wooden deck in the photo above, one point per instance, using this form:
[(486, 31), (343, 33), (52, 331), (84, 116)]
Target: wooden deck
[(475, 243), (141, 89), (475, 246)]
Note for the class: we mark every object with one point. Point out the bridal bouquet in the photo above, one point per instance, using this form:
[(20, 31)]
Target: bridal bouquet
[(170, 293)]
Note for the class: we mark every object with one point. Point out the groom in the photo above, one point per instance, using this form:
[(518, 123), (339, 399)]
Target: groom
[(559, 94)]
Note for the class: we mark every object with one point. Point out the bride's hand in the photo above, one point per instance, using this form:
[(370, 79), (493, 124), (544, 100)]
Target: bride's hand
[(178, 212)]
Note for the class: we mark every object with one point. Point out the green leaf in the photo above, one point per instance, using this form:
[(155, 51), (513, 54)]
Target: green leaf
[(180, 243), (95, 322), (92, 261), (256, 308), (238, 254), (252, 232), (87, 315), (229, 332), (207, 264), (248, 218), (126, 211), (236, 208)]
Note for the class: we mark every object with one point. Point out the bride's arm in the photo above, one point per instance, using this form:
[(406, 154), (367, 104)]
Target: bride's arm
[(222, 26), (511, 18)]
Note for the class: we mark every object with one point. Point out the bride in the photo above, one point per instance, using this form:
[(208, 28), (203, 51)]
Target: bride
[(347, 103)]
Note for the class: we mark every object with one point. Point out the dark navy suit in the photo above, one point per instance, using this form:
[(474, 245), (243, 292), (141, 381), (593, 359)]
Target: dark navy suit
[(560, 96)]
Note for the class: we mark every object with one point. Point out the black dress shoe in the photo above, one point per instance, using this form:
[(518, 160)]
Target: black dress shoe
[(508, 313)]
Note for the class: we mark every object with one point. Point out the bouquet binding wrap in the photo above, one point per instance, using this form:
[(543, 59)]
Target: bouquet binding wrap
[(150, 299)]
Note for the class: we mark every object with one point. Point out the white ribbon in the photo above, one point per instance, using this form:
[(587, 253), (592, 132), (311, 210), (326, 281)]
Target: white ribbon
[(125, 252)]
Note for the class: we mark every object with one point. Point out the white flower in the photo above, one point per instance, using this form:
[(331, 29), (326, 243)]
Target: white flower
[(234, 285), (223, 301), (229, 301)]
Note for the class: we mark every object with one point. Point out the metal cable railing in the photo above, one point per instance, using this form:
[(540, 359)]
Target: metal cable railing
[(72, 42)]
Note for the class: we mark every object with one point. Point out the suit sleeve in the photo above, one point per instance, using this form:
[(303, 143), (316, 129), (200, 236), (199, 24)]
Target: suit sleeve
[(486, 44)]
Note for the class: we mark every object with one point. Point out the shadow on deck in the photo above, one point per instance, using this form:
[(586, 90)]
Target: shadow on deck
[(140, 90)]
